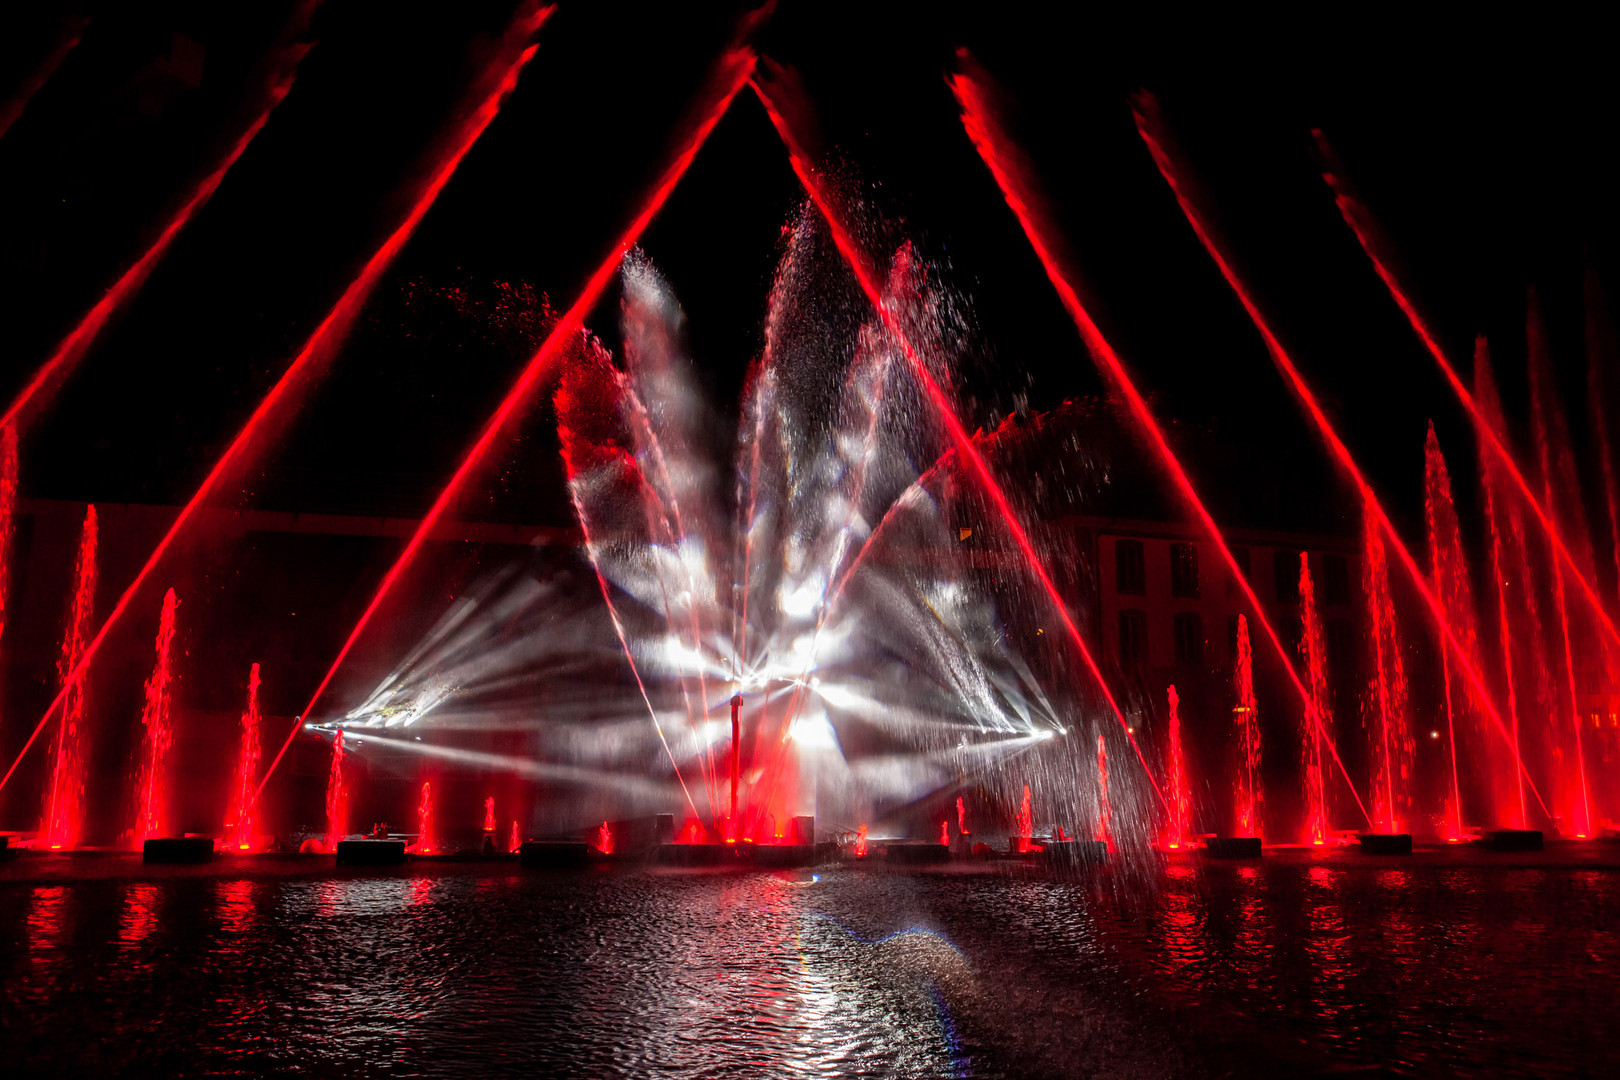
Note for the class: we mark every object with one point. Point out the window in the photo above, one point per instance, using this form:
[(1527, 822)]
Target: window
[(1189, 629), (1285, 571), (1240, 555), (1132, 636), (1335, 580), (1129, 578), (1184, 570)]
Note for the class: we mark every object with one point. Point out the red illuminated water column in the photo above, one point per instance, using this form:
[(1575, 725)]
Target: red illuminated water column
[(736, 761)]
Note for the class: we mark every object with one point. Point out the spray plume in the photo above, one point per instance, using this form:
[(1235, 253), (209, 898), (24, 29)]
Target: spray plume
[(786, 108)]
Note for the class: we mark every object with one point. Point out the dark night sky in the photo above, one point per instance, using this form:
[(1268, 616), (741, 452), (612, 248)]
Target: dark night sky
[(1483, 143)]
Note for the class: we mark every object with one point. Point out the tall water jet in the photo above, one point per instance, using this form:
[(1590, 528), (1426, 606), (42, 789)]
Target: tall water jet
[(1247, 716), (1317, 713), (1448, 566), (1180, 815), (604, 839), (1025, 825), (1105, 815), (1392, 747), (64, 811), (239, 822), (1561, 495), (489, 814), (514, 843), (1506, 543), (961, 817), (337, 797), (427, 843), (153, 798)]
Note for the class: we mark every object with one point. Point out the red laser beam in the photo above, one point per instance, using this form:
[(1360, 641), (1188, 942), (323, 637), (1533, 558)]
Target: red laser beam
[(72, 348), (316, 350), (1378, 248), (1150, 127), (734, 69), (867, 278), (67, 39), (978, 118)]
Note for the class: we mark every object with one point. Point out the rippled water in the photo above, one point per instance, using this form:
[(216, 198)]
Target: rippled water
[(1435, 965)]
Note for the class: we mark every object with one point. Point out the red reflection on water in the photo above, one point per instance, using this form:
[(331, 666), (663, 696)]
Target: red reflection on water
[(235, 906), (139, 917), (46, 917), (1327, 943)]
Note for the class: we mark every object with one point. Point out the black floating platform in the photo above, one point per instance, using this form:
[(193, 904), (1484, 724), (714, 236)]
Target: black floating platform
[(1384, 843), (554, 853), (1514, 839), (6, 850), (698, 854), (777, 856), (1236, 847), (918, 853), (178, 849), (370, 852), (1074, 851)]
